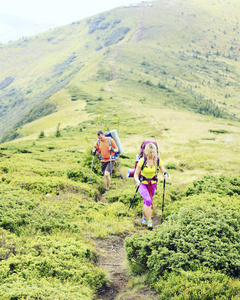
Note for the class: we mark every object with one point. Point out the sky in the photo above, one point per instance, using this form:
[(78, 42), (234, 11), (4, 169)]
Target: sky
[(58, 12)]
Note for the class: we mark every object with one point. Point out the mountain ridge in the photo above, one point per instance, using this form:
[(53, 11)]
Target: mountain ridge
[(163, 51)]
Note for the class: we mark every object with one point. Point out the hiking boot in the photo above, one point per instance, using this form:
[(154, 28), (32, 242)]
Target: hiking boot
[(104, 193), (144, 221), (150, 225)]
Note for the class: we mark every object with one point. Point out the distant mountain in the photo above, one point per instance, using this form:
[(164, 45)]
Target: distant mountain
[(13, 28), (181, 55)]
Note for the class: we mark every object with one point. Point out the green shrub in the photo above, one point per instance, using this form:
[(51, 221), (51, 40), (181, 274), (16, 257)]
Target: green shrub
[(58, 132), (5, 169), (125, 196), (65, 65), (81, 174), (171, 166), (44, 288), (42, 185), (41, 135), (39, 111), (196, 236), (195, 285), (218, 131), (64, 263), (116, 36), (225, 185), (10, 135), (6, 82), (94, 23)]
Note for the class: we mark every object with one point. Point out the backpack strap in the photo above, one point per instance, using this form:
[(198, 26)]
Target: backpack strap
[(144, 165), (144, 162)]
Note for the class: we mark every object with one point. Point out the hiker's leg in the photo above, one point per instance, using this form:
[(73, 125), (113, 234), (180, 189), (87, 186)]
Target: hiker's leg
[(107, 179), (143, 212), (147, 212), (107, 174), (154, 185)]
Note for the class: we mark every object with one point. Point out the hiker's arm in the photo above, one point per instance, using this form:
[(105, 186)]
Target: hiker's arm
[(96, 149), (162, 169), (164, 172), (136, 174), (114, 147)]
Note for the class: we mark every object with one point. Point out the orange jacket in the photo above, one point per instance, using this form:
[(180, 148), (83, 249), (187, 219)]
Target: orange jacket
[(104, 149)]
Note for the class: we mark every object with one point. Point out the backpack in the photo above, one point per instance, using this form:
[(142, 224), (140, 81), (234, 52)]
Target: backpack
[(130, 172), (142, 148)]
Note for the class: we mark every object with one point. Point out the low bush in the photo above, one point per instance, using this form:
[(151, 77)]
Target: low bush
[(6, 82), (196, 236), (25, 211), (116, 36), (94, 23), (44, 288), (195, 285), (218, 131), (82, 174), (104, 219), (225, 185), (39, 111), (61, 262)]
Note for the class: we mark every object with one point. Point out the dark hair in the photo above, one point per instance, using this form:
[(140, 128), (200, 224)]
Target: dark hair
[(99, 132)]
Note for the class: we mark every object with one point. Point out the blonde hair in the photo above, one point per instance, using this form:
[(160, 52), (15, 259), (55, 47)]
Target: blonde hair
[(151, 147)]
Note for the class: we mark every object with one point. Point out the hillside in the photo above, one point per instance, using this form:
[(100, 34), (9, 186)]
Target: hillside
[(168, 72), (61, 239), (174, 54)]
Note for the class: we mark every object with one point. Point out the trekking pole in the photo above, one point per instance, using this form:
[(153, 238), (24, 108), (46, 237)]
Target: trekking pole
[(134, 195), (110, 167), (92, 167), (164, 183)]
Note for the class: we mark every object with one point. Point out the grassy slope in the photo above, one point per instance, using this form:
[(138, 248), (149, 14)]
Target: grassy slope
[(137, 110), (119, 77)]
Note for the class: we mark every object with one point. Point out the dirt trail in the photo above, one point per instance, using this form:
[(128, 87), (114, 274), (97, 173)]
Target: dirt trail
[(113, 258)]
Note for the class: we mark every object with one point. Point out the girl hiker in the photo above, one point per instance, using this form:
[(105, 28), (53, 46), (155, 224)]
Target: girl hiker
[(106, 149), (146, 176)]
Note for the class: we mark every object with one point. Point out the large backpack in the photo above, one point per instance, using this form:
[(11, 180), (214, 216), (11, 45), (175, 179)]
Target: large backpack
[(130, 172), (142, 148)]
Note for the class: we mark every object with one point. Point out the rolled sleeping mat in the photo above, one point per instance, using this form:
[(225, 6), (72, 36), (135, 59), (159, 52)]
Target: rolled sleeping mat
[(130, 173), (116, 138)]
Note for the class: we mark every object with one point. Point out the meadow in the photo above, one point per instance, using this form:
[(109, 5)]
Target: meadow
[(50, 214), (159, 73)]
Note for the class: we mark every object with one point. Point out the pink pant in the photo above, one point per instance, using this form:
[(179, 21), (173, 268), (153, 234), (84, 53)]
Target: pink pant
[(144, 192)]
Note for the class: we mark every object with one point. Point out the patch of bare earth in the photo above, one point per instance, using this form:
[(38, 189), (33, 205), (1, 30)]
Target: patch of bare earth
[(113, 258)]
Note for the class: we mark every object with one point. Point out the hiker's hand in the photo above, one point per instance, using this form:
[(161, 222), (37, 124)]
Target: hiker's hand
[(138, 183), (111, 149), (94, 151), (165, 175)]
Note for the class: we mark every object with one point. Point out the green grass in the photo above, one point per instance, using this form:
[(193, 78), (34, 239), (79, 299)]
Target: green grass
[(45, 191), (149, 85)]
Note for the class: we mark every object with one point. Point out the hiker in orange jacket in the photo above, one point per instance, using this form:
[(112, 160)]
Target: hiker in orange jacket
[(106, 149)]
